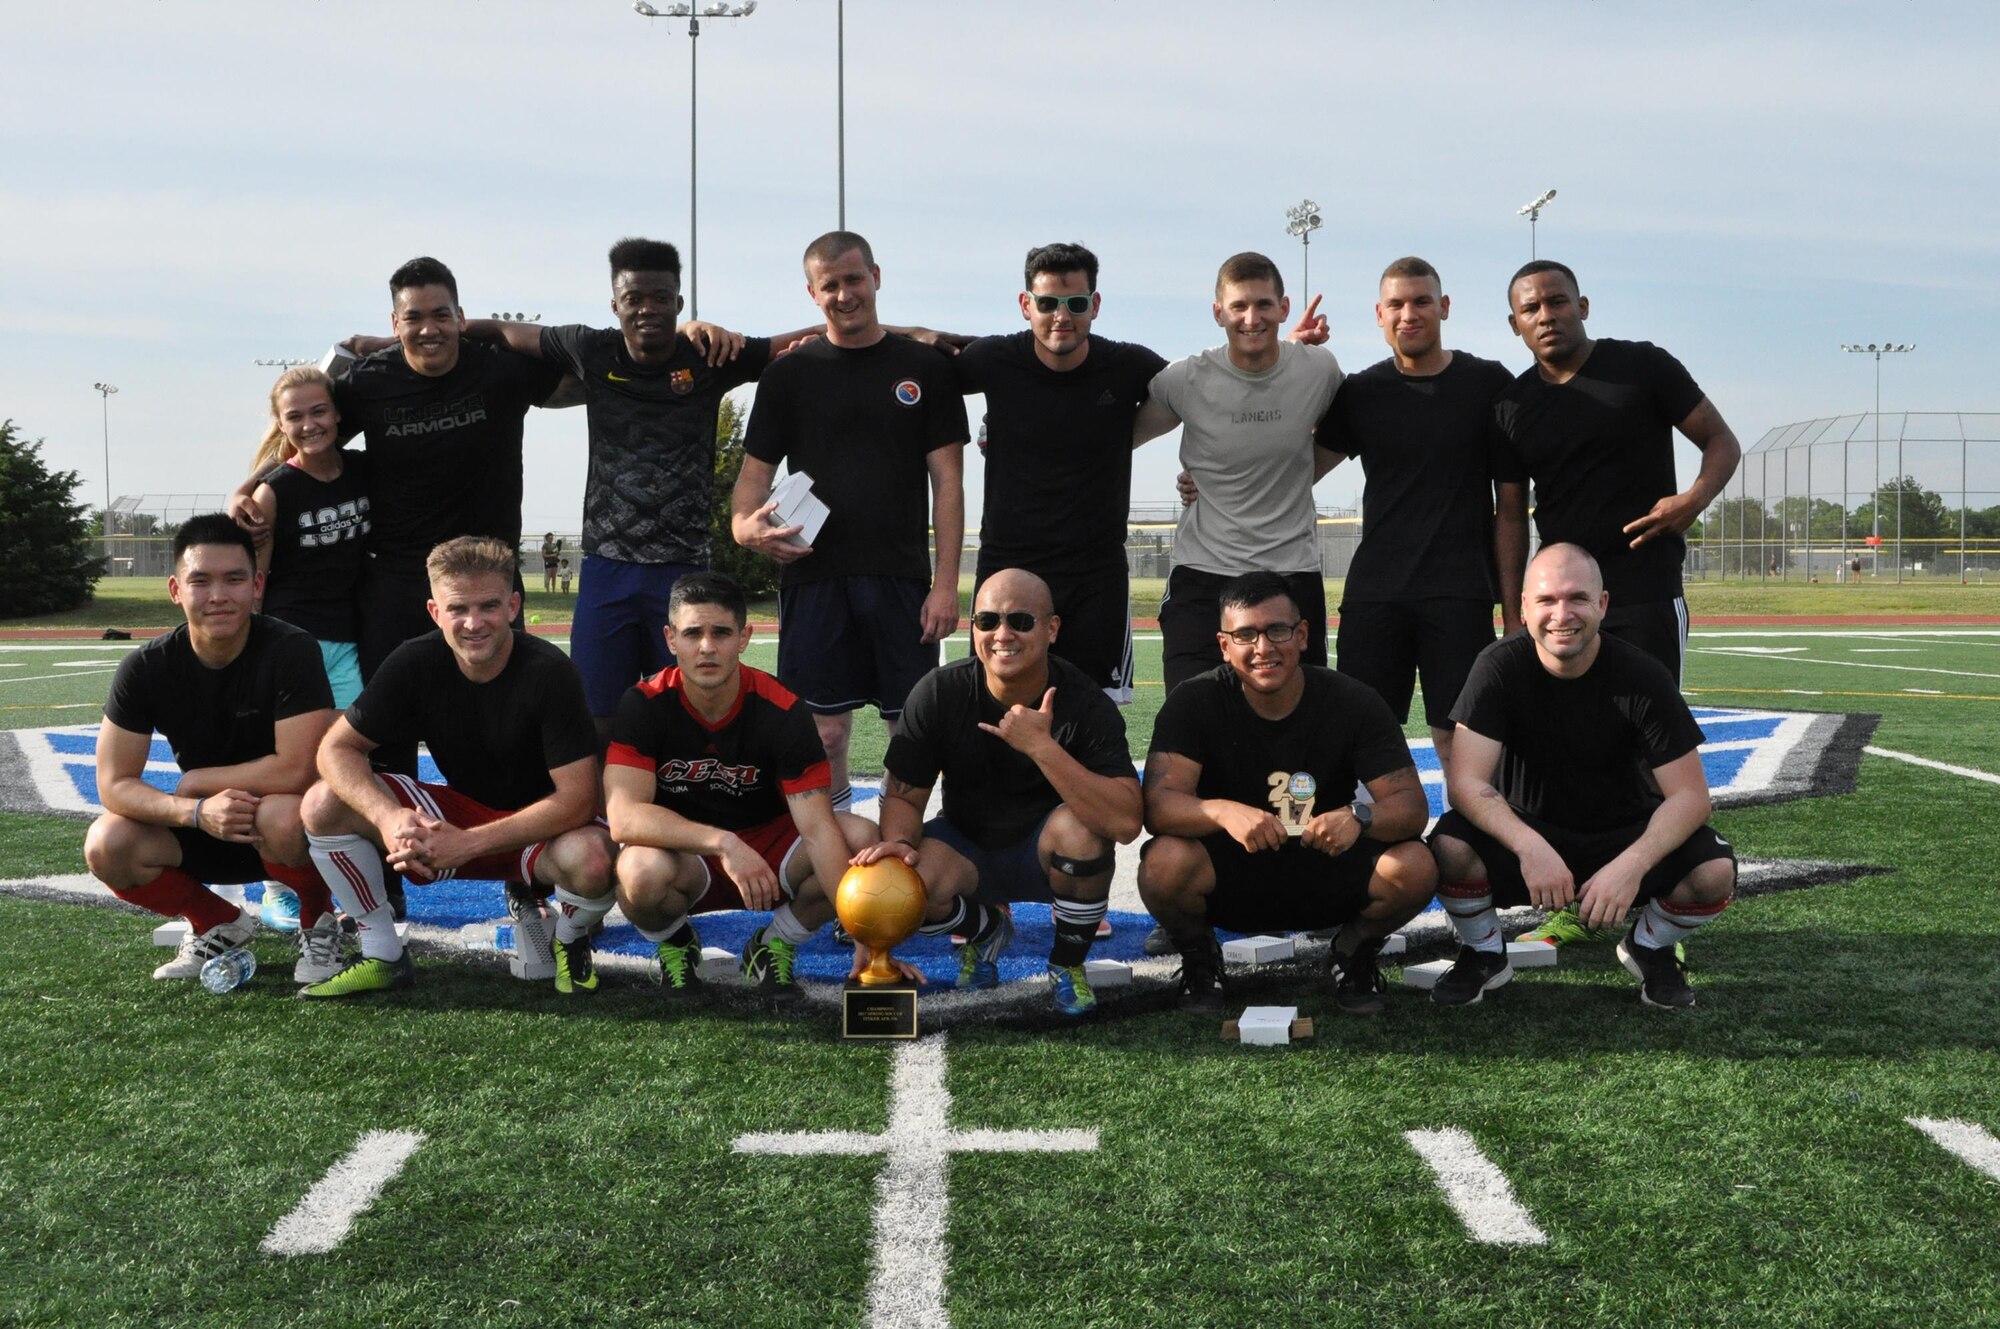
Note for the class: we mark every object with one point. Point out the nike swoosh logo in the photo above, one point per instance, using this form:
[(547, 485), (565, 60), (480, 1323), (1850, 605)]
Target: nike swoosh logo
[(615, 378)]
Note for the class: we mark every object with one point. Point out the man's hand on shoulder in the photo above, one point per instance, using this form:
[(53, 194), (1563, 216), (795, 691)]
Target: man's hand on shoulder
[(718, 345), (256, 523), (362, 343)]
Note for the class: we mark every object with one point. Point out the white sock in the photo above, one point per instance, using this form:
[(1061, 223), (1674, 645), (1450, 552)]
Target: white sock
[(1663, 923), (351, 866), (576, 916), (658, 935), (841, 798), (1470, 904), (786, 924)]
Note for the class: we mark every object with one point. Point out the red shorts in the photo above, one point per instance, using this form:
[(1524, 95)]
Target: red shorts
[(447, 804), (775, 842)]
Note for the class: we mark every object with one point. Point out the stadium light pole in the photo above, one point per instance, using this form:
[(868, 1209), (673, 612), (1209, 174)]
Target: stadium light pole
[(1533, 212), (1878, 350), (694, 18), (840, 101), (1302, 221), (104, 391)]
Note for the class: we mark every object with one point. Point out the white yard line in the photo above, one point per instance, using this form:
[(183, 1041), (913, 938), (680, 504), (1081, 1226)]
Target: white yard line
[(74, 673), (1475, 1189), (1945, 766), (1972, 1143), (326, 1215), (1849, 664)]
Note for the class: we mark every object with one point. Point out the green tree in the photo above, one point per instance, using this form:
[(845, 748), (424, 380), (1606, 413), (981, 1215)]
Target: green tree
[(1924, 514), (44, 536), (1983, 524), (757, 575)]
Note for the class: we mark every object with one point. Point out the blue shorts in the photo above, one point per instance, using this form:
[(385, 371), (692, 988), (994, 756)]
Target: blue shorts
[(848, 641), (343, 671), (1013, 872), (619, 635)]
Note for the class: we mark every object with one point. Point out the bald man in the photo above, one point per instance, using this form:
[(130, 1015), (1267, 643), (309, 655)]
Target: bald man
[(1602, 803), (1038, 788)]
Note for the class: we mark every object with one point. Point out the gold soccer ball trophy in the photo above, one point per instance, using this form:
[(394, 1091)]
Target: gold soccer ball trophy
[(880, 904)]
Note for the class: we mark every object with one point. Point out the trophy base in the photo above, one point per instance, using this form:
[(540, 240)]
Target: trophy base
[(878, 1012)]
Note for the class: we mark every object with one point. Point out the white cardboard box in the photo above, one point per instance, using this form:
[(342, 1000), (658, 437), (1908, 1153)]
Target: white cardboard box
[(1258, 950), (719, 966), (1425, 975), (1267, 1026), (1531, 955), (1108, 973)]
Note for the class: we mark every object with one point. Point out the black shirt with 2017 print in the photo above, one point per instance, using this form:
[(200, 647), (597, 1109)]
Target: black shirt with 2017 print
[(1058, 451), (318, 539), (1579, 752), (646, 496), (444, 453), (219, 717), (862, 422), (496, 741), (1426, 444), (1600, 449)]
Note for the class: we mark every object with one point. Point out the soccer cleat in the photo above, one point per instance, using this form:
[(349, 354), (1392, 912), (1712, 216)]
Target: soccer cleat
[(196, 951), (1358, 988), (366, 975), (771, 962), (280, 908), (979, 961), (320, 949), (1201, 986), (1158, 942), (1103, 929), (680, 961), (1474, 974), (1069, 990), (1563, 927), (576, 967), (1661, 972)]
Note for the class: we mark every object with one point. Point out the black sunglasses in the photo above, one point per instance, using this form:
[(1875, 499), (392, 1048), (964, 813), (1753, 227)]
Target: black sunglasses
[(989, 620)]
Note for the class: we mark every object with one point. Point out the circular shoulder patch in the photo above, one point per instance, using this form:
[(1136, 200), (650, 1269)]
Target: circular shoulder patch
[(909, 392)]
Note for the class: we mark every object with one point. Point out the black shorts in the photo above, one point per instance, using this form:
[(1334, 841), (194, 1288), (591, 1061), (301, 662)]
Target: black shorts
[(1583, 853), (848, 641), (214, 862), (1387, 644), (1191, 614), (1658, 627), (1286, 890), (1096, 633)]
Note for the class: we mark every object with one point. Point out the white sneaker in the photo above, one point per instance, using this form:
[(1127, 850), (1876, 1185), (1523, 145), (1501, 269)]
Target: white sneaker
[(319, 951), (196, 951)]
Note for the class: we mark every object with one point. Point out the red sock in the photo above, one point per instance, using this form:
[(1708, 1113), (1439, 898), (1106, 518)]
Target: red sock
[(173, 893), (314, 898)]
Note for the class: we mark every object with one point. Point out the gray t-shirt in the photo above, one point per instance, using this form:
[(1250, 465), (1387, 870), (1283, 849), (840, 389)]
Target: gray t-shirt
[(1247, 439)]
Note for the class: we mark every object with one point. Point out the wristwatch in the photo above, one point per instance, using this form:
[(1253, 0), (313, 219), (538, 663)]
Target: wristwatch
[(1363, 813)]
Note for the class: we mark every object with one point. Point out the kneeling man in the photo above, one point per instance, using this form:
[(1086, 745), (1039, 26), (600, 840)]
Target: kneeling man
[(1246, 760), (1575, 779), (242, 700), (715, 781), (1038, 788), (504, 718)]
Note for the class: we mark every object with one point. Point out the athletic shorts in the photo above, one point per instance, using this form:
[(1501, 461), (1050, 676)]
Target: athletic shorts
[(1096, 633), (1583, 853), (214, 862), (343, 671), (447, 804), (1191, 614), (846, 642), (619, 633), (775, 842), (1658, 627), (1289, 889), (1388, 644), (1010, 873)]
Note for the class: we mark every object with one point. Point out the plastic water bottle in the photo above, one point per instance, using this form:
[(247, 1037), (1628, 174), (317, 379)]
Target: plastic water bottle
[(228, 971)]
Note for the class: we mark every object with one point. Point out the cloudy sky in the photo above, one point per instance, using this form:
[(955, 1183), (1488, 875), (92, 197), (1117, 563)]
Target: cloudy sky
[(189, 187)]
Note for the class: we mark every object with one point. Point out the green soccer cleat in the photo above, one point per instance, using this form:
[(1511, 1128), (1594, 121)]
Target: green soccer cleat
[(364, 976), (1069, 990), (1563, 927), (770, 962), (680, 962), (576, 966)]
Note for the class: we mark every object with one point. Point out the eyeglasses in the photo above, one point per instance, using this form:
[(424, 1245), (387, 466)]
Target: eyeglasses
[(1048, 304), (989, 620), (1276, 633)]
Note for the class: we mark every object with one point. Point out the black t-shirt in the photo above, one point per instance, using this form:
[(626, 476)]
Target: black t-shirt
[(496, 741), (1580, 752), (646, 498), (734, 774), (1340, 735), (444, 453), (1425, 443), (861, 423), (992, 793), (1600, 449), (1058, 451), (226, 716), (317, 538)]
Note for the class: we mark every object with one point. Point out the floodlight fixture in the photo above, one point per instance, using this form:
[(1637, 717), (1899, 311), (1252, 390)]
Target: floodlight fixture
[(1878, 350), (1302, 220), (1533, 212), (105, 391)]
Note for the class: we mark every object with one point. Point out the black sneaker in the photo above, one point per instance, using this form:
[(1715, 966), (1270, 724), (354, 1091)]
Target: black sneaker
[(1201, 976), (1474, 974), (1358, 988), (1661, 972)]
